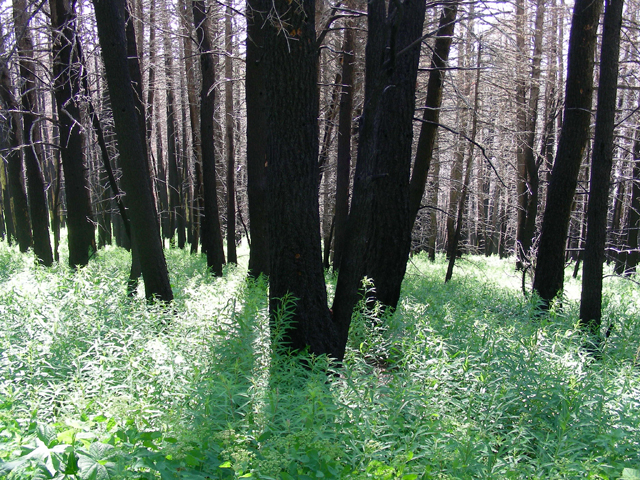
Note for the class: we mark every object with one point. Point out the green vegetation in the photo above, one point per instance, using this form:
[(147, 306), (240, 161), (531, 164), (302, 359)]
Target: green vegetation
[(462, 382)]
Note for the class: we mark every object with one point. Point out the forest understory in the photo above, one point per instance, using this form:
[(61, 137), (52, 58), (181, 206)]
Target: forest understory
[(464, 380)]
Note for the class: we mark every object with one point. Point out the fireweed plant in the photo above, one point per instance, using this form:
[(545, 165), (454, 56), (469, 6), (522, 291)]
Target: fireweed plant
[(464, 380)]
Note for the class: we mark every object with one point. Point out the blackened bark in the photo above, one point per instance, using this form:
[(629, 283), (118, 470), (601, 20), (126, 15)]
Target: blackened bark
[(343, 168), (549, 275), (15, 171), (38, 211), (290, 74), (601, 162), (211, 234), (633, 217), (431, 115), (67, 71), (130, 135), (379, 230), (256, 142)]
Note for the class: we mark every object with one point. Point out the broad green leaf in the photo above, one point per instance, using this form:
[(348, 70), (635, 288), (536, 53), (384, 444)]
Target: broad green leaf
[(630, 474)]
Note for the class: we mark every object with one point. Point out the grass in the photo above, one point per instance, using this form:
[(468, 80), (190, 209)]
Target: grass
[(463, 381)]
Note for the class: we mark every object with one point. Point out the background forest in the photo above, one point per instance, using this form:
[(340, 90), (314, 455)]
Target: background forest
[(339, 147)]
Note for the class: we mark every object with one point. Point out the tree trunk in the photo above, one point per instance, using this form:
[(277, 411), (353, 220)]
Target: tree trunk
[(15, 171), (38, 211), (232, 256), (431, 115), (173, 186), (256, 142), (343, 168), (601, 162), (290, 76), (110, 18), (633, 217), (549, 275), (453, 247), (379, 230), (67, 70), (211, 234)]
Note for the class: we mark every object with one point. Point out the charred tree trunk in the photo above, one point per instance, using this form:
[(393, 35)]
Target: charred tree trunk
[(379, 230), (549, 275), (601, 162), (290, 75), (211, 234), (15, 171), (110, 18), (67, 70), (343, 169), (431, 115), (38, 211), (256, 142)]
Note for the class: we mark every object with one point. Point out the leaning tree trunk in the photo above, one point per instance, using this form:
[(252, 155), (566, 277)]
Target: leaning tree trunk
[(256, 142), (549, 275), (211, 234), (601, 162), (431, 115), (379, 230), (38, 211), (130, 135)]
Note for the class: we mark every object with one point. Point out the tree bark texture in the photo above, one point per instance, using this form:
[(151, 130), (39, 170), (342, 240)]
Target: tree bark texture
[(549, 275), (67, 71), (379, 230), (256, 142), (130, 135), (211, 234), (601, 162), (290, 74), (343, 168), (38, 211), (15, 169)]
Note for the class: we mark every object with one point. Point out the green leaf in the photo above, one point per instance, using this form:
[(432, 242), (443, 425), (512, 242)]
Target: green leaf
[(630, 474)]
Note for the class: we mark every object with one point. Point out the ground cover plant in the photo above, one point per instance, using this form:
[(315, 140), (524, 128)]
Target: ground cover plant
[(463, 381)]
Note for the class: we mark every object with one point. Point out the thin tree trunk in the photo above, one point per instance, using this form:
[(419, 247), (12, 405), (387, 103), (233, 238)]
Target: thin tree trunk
[(211, 234), (601, 162), (256, 142), (632, 258), (38, 211), (15, 171), (232, 256), (431, 115), (453, 247), (343, 168)]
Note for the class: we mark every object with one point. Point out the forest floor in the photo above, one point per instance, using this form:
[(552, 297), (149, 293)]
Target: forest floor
[(463, 381)]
